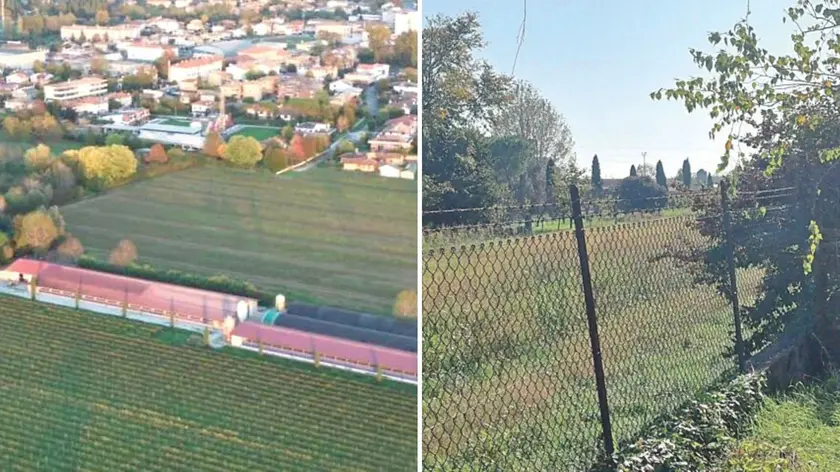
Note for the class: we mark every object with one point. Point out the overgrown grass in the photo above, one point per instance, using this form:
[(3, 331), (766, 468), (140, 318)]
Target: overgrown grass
[(507, 365), (796, 431), (322, 236)]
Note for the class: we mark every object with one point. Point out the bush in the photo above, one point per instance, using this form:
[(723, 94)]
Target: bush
[(699, 436), (157, 155)]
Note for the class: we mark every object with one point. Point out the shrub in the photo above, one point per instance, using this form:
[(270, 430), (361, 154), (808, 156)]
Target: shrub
[(697, 437), (157, 155)]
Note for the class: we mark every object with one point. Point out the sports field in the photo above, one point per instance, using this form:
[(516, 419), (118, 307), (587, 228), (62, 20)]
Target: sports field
[(176, 122), (258, 132), (81, 391), (323, 236)]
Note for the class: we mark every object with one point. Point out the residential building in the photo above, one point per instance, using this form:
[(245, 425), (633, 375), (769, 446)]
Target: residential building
[(129, 116), (231, 90), (409, 172), (13, 57), (104, 33), (356, 162), (18, 77), (88, 105), (313, 128), (202, 108), (340, 28), (120, 68), (253, 89), (195, 68), (41, 78), (74, 89), (123, 98), (390, 171), (406, 21), (147, 52)]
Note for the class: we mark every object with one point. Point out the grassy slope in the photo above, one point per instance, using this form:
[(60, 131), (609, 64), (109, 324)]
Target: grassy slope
[(797, 431), (325, 236), (87, 391), (507, 361)]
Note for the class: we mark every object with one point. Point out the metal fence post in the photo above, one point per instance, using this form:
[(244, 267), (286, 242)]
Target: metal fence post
[(594, 339), (733, 277)]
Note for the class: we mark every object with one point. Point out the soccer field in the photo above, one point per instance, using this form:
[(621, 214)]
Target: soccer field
[(323, 236), (258, 133), (80, 391)]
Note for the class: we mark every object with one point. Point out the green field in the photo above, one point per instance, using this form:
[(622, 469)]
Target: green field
[(796, 431), (508, 379), (176, 122), (326, 236), (81, 391), (258, 132)]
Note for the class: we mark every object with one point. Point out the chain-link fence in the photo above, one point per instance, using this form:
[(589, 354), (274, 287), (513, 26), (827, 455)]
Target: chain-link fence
[(551, 335)]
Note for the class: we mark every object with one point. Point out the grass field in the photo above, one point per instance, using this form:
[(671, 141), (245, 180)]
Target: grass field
[(325, 236), (176, 122), (80, 391), (508, 379), (258, 132), (796, 431), (57, 146)]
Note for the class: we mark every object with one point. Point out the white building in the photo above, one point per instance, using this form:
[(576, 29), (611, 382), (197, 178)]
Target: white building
[(145, 52), (74, 89), (195, 68), (109, 33), (20, 58), (389, 171), (406, 21), (310, 127)]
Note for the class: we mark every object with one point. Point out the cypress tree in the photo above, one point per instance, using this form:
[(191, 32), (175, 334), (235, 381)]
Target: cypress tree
[(597, 183), (710, 182), (686, 173), (633, 171), (660, 175)]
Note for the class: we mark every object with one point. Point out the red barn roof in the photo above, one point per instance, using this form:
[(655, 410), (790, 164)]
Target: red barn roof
[(329, 347), (188, 303)]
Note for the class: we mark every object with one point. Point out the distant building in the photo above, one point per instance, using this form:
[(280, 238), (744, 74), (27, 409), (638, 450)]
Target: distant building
[(313, 128), (195, 68), (104, 33), (406, 21), (147, 52), (20, 57), (74, 89)]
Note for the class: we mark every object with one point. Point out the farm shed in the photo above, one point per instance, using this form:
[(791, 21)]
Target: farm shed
[(142, 295), (342, 351)]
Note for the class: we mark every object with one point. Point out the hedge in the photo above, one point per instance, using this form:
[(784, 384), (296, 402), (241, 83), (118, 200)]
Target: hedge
[(216, 283)]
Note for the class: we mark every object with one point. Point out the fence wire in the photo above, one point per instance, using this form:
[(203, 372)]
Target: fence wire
[(509, 377)]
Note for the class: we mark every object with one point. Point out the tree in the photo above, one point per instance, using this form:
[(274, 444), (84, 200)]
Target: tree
[(12, 126), (104, 166), (406, 304), (38, 158), (405, 49), (344, 146), (243, 151), (296, 148), (460, 96), (710, 181), (686, 174), (533, 120), (342, 124), (701, 177), (98, 65), (788, 102), (157, 155), (212, 144), (661, 180), (102, 17), (124, 254), (276, 158), (633, 171), (35, 231), (597, 182), (114, 139), (70, 250), (378, 38), (640, 194)]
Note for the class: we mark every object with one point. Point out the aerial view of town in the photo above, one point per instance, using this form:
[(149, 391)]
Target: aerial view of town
[(208, 235)]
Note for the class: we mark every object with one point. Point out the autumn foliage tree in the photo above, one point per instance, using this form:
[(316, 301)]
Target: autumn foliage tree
[(124, 254), (243, 151), (212, 144), (103, 166), (157, 155)]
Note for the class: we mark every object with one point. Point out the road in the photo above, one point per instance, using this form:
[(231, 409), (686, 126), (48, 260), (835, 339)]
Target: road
[(354, 136)]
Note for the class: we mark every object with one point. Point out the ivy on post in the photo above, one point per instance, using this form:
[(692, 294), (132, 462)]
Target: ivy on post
[(317, 357)]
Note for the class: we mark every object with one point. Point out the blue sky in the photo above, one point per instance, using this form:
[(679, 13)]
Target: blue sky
[(598, 61)]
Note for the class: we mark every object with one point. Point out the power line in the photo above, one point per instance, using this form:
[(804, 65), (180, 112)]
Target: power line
[(520, 36)]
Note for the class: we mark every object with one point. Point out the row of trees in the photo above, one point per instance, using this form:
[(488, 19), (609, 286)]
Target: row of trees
[(402, 53), (684, 177), (488, 140)]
